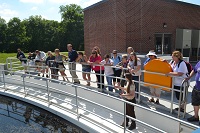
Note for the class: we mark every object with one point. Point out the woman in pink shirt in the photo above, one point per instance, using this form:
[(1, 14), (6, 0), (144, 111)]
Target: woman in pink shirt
[(95, 60)]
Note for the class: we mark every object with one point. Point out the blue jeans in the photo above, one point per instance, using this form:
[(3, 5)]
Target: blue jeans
[(109, 81)]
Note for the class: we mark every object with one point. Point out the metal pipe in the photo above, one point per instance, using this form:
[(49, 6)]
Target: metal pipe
[(76, 100), (24, 85), (124, 117), (48, 90), (172, 95), (100, 80), (4, 83), (139, 90)]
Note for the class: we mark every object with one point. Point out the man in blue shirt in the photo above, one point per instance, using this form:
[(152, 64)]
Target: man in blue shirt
[(72, 55)]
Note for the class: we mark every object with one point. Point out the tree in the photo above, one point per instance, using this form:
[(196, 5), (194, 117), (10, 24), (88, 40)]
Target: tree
[(3, 28), (15, 35), (72, 26)]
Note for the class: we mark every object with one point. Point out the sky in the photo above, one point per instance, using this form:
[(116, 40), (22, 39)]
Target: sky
[(48, 9)]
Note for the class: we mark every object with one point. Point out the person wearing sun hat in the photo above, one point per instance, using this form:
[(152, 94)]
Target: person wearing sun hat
[(154, 92), (151, 55)]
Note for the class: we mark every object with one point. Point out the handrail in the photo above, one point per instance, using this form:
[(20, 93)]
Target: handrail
[(119, 100), (140, 82)]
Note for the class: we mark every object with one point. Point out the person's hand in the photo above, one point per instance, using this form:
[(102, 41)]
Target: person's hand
[(116, 86), (167, 74), (164, 60), (186, 79), (121, 67)]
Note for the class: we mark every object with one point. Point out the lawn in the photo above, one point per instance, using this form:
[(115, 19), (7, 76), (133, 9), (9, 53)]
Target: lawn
[(4, 56)]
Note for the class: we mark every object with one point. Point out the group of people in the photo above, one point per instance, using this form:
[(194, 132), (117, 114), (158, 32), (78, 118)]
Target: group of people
[(52, 62), (122, 73)]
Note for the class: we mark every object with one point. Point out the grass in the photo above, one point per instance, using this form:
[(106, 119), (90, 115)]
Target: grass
[(4, 56)]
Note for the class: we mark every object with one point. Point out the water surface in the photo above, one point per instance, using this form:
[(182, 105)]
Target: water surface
[(20, 117)]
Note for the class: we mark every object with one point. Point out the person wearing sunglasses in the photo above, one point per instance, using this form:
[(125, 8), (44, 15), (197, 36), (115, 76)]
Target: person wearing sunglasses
[(94, 61)]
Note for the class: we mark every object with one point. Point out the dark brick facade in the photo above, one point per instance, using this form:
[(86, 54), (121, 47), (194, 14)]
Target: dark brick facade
[(118, 24)]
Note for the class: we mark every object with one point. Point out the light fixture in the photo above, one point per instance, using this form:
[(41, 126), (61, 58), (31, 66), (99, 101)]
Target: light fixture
[(164, 25)]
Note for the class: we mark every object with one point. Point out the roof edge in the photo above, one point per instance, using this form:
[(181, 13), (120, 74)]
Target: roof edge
[(96, 4)]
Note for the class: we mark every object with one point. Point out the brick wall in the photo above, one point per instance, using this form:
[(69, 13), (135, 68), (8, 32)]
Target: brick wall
[(118, 24)]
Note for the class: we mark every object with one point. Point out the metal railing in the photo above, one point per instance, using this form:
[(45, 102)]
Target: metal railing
[(13, 65), (49, 91)]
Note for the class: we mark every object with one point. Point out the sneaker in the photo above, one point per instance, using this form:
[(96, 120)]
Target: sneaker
[(157, 101), (193, 118), (47, 76), (76, 82), (132, 127), (123, 124), (151, 100)]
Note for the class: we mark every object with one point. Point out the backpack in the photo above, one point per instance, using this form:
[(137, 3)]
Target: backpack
[(188, 65)]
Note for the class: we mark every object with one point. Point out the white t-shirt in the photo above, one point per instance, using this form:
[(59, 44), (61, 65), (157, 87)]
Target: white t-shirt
[(131, 64), (108, 69), (42, 55), (183, 69)]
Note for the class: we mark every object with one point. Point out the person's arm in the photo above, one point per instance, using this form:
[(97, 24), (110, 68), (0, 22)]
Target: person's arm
[(121, 88), (129, 66), (43, 56), (89, 61), (64, 56), (138, 67), (131, 93), (182, 69), (191, 75), (98, 60)]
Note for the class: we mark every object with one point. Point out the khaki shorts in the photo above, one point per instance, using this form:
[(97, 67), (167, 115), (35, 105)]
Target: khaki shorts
[(61, 68), (38, 63), (157, 91)]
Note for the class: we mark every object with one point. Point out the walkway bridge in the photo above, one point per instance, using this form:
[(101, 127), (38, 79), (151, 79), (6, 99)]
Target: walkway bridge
[(89, 108)]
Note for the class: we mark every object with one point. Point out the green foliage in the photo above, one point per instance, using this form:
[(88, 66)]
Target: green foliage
[(72, 20), (38, 33)]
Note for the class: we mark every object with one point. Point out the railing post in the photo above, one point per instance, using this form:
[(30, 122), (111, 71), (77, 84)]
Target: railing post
[(48, 91), (4, 83), (180, 97), (11, 64), (172, 96), (100, 79), (24, 84), (124, 117), (76, 101), (184, 98), (139, 90), (71, 70)]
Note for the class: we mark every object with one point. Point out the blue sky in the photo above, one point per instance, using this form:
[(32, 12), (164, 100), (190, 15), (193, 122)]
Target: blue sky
[(48, 9)]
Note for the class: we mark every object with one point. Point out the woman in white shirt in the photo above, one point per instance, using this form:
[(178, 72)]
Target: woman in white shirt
[(108, 70), (179, 70), (134, 66), (130, 97)]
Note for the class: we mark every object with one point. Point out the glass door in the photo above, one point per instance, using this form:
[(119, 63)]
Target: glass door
[(163, 43)]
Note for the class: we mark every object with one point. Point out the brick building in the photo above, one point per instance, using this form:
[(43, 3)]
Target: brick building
[(142, 24)]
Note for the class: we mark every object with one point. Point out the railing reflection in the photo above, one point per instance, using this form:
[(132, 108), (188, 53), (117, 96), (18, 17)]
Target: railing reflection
[(35, 119)]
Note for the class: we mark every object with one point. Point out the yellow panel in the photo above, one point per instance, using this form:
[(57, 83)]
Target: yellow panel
[(158, 66)]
